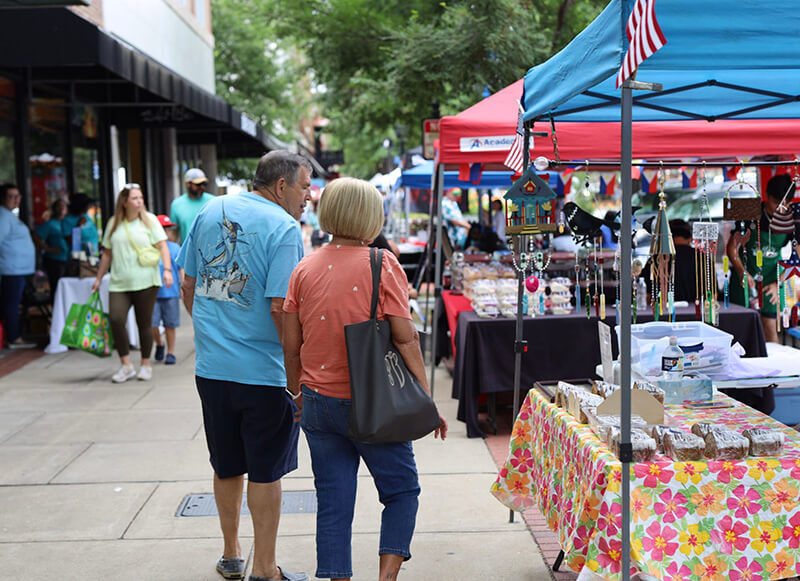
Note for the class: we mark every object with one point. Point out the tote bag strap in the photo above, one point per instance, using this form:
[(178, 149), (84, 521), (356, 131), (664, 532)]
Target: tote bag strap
[(95, 302), (375, 263)]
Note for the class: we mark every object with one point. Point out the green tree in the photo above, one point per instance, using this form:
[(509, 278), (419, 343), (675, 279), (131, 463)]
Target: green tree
[(381, 64), (256, 72)]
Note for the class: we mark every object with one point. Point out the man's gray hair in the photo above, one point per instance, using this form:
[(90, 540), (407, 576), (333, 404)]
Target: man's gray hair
[(278, 164)]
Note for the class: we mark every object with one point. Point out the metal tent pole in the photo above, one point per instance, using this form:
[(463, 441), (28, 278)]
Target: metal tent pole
[(625, 448), (520, 345), (437, 282)]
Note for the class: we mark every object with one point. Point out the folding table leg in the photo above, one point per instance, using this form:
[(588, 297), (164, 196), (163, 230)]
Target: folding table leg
[(558, 561)]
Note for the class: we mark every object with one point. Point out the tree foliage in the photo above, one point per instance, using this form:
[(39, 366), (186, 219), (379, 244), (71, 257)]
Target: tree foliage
[(377, 65)]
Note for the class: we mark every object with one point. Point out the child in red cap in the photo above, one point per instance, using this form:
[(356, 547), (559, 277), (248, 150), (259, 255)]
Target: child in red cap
[(167, 310)]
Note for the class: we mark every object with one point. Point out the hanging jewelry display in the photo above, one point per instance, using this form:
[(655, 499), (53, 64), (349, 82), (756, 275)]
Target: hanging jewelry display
[(662, 263), (726, 271), (577, 281), (588, 294), (705, 236), (616, 269), (596, 296)]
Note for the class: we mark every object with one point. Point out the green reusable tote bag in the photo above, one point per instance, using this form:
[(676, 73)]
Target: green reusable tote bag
[(88, 328)]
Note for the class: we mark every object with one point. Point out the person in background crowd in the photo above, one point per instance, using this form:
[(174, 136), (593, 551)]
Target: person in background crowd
[(685, 268), (17, 263), (238, 256), (77, 217), (328, 290), (51, 239), (167, 310), (132, 284), (741, 251), (457, 226), (185, 208), (499, 221)]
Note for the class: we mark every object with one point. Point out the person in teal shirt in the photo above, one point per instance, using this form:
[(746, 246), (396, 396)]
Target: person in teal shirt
[(52, 240), (78, 218), (185, 208)]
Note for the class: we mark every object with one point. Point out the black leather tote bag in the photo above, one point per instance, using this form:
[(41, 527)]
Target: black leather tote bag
[(388, 403)]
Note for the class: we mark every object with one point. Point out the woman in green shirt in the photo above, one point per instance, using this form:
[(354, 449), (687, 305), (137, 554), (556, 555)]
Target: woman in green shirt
[(131, 229), (742, 250)]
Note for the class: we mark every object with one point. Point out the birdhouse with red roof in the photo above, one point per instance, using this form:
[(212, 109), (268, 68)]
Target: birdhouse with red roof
[(529, 205)]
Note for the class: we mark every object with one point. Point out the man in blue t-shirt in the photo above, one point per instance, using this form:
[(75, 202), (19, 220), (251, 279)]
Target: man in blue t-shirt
[(238, 257), (185, 208), (167, 310)]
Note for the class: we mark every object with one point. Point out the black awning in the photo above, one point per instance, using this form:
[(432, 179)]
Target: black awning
[(56, 48)]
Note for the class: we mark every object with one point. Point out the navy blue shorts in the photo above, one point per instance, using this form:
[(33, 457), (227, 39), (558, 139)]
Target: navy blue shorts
[(249, 429), (167, 311)]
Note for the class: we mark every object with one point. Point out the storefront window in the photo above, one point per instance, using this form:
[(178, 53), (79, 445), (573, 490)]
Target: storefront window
[(86, 158), (48, 149), (8, 169)]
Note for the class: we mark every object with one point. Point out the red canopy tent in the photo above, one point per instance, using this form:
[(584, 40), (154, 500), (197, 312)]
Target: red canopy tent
[(484, 132)]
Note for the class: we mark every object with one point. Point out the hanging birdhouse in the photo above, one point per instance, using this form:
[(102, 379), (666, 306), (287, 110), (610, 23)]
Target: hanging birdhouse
[(529, 206)]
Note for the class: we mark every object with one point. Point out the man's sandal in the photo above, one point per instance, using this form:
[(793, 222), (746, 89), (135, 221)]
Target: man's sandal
[(231, 568)]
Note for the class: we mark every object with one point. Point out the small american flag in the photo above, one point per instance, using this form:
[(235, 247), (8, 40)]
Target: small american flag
[(514, 159), (644, 37)]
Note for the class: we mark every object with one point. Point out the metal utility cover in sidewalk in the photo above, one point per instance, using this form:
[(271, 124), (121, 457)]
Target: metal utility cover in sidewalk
[(293, 502)]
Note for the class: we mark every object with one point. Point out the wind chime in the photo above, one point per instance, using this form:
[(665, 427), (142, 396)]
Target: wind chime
[(662, 263), (705, 236)]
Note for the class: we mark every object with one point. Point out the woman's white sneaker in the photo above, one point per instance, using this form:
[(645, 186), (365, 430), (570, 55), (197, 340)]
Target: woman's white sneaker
[(125, 373), (145, 373)]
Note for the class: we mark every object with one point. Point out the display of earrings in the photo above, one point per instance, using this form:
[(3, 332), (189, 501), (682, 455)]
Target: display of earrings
[(617, 273), (705, 236)]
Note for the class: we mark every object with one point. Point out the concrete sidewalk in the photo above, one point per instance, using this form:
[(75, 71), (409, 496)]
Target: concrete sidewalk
[(93, 474)]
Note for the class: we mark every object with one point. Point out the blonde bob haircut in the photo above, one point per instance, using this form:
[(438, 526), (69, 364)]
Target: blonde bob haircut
[(351, 208)]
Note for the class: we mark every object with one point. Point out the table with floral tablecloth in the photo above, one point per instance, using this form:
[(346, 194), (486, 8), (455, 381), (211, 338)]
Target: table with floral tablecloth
[(709, 520)]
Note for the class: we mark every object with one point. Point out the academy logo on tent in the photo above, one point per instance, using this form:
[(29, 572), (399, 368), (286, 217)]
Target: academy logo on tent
[(489, 143)]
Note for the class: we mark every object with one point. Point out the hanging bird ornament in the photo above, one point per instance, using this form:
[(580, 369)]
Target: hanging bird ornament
[(662, 264)]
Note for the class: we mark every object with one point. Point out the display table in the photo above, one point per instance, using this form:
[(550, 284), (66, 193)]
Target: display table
[(559, 347), (689, 520), (77, 290)]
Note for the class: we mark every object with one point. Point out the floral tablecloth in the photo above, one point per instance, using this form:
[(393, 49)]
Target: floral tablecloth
[(709, 521)]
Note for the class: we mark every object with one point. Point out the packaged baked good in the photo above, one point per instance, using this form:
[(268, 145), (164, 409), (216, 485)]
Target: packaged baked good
[(562, 389), (683, 446), (604, 388), (644, 447), (578, 400), (726, 445), (650, 388), (703, 428), (657, 433), (764, 442)]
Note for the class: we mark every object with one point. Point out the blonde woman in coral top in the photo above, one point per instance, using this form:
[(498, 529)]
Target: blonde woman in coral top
[(328, 290)]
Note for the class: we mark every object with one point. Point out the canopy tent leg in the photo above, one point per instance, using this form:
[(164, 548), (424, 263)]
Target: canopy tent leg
[(436, 194)]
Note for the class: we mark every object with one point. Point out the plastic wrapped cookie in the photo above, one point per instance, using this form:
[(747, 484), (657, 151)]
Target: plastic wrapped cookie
[(683, 447), (657, 433), (703, 428), (726, 445), (764, 442), (644, 447)]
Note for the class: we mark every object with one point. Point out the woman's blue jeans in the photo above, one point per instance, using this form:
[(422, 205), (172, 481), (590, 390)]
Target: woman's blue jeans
[(335, 459)]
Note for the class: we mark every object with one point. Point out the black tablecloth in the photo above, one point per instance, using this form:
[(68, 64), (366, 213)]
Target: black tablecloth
[(559, 347)]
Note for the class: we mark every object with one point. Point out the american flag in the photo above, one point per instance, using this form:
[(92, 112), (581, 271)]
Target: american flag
[(644, 37), (514, 159)]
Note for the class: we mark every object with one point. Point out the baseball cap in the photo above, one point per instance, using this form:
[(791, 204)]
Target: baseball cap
[(165, 221), (454, 191), (195, 175)]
